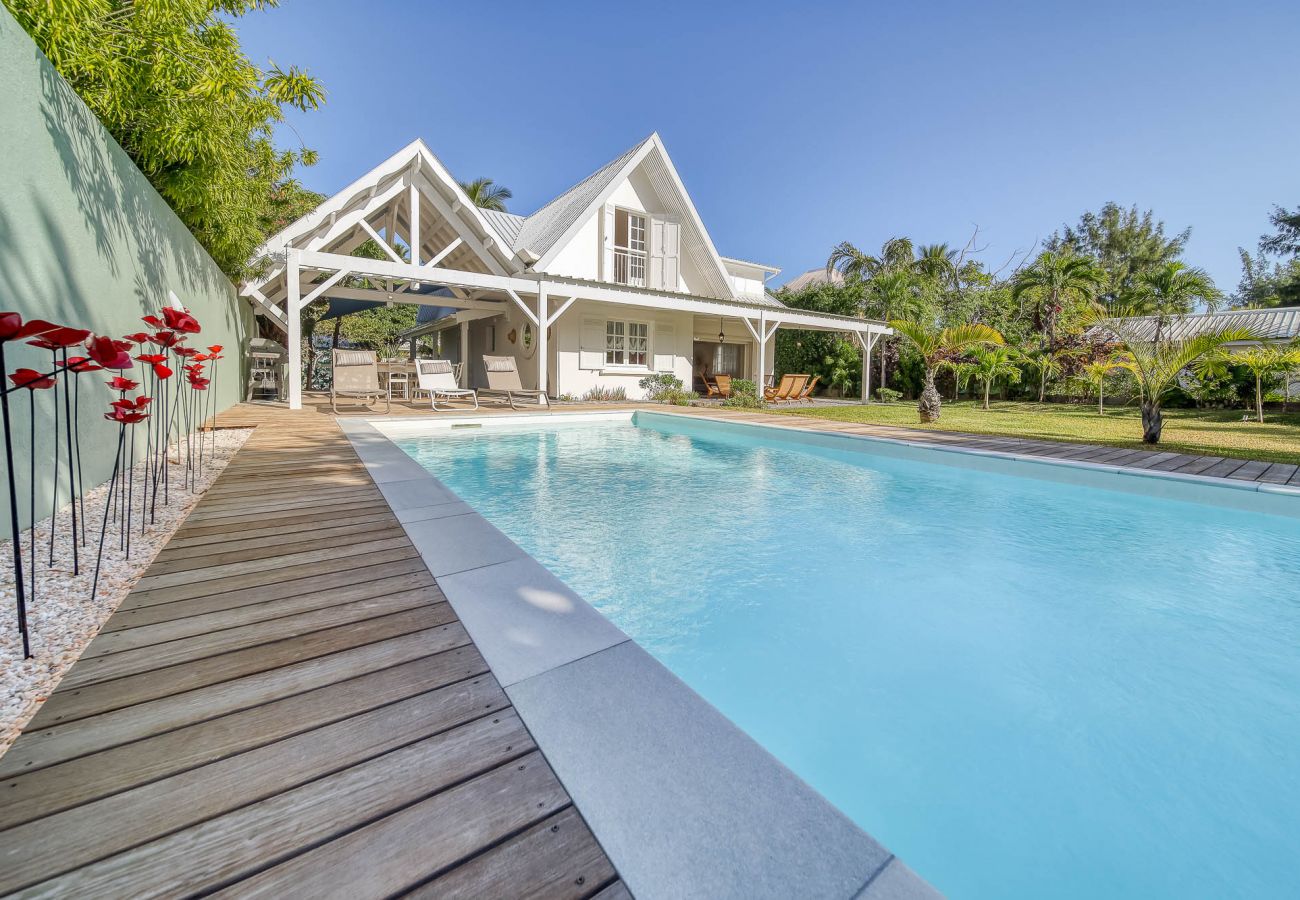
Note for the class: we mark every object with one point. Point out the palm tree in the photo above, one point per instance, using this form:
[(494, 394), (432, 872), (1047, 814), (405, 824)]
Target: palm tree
[(893, 294), (1046, 363), (1265, 363), (485, 194), (1172, 289), (1095, 373), (855, 265), (937, 346), (1054, 281), (937, 261), (1156, 362), (994, 363), (961, 369)]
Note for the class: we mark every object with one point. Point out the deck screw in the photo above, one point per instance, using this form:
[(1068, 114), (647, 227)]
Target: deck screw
[(540, 805), (554, 828), (581, 880), (496, 721), (521, 768)]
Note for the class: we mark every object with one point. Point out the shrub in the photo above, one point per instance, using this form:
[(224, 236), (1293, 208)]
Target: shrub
[(889, 395), (744, 395), (599, 394), (677, 397), (660, 383)]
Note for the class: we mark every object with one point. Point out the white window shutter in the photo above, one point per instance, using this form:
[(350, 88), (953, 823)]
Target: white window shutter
[(591, 345), (672, 240), (607, 244), (665, 349), (656, 279)]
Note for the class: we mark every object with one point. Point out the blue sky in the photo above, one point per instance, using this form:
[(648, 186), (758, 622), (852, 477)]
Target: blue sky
[(797, 126)]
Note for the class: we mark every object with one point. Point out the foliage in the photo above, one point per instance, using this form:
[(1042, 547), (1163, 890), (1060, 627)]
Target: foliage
[(1276, 283), (841, 368), (667, 388), (993, 364), (1059, 286), (1172, 288), (602, 394), (1123, 244), (378, 328), (889, 395), (1286, 240), (1217, 432), (1266, 365), (744, 395), (936, 346), (1095, 374), (486, 194), (170, 82)]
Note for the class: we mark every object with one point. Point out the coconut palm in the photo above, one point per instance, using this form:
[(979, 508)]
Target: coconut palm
[(486, 194), (937, 346), (1171, 289), (1095, 374), (855, 265), (994, 363), (1053, 282), (1156, 361)]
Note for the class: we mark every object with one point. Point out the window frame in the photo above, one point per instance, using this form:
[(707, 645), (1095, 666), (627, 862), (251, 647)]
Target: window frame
[(632, 254), (619, 354)]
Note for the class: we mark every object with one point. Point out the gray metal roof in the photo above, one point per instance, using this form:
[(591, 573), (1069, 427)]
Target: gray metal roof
[(811, 277), (542, 229), (505, 224), (1279, 324)]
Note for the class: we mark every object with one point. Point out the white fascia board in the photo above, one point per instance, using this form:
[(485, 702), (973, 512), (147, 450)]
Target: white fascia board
[(598, 203), (504, 254), (758, 267)]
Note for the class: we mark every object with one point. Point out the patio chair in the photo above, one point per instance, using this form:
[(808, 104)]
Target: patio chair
[(438, 379), (504, 384), (710, 387), (724, 385), (806, 393), (781, 391), (356, 377)]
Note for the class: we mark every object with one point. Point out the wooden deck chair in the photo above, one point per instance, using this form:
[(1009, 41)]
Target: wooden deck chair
[(724, 385), (356, 377), (438, 378), (710, 387), (504, 384), (781, 391), (806, 393)]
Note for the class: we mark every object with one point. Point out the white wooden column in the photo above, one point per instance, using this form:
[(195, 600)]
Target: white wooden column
[(414, 235), (464, 354), (867, 343), (762, 353), (293, 311), (543, 320)]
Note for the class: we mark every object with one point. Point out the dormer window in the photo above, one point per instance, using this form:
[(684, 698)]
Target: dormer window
[(629, 248)]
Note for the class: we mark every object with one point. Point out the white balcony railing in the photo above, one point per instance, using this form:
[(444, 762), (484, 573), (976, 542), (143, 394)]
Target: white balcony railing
[(629, 267)]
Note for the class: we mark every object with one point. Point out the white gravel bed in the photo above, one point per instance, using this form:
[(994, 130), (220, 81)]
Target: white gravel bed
[(63, 618)]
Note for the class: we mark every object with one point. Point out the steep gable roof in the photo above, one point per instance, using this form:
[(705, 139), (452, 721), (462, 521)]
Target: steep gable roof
[(543, 229)]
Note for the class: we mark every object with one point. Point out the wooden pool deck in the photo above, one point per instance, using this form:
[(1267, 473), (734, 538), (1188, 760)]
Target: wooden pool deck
[(286, 704)]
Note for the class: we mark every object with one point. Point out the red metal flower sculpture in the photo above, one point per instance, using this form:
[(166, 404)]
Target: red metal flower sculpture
[(180, 320), (109, 353)]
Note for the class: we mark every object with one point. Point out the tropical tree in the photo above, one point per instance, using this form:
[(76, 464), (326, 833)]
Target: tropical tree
[(1173, 288), (937, 346), (897, 254), (1047, 363), (1156, 361), (1056, 283), (992, 364), (486, 194), (961, 369), (1123, 243), (1096, 373), (170, 82), (1265, 363)]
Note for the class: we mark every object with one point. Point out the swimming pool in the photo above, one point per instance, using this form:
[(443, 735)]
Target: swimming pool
[(1024, 687)]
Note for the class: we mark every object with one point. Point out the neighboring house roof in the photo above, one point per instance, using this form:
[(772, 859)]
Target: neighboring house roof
[(812, 277), (540, 231), (1280, 324)]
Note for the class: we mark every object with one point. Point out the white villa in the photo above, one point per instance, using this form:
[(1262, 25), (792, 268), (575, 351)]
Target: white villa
[(614, 279)]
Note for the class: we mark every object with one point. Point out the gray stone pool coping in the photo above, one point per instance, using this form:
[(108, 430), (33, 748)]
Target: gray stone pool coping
[(684, 803)]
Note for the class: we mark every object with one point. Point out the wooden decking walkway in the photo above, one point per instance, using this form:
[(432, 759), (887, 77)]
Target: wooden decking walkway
[(286, 705)]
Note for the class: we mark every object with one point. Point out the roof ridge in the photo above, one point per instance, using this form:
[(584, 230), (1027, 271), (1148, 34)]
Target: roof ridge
[(573, 187)]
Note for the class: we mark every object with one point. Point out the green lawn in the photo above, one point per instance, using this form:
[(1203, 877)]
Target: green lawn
[(1216, 432)]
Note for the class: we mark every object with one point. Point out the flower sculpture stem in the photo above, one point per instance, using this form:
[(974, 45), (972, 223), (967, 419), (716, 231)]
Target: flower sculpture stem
[(72, 486), (103, 528), (13, 520)]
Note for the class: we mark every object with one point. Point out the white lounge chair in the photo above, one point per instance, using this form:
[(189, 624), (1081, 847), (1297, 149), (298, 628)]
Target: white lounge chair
[(504, 384), (356, 377), (439, 378)]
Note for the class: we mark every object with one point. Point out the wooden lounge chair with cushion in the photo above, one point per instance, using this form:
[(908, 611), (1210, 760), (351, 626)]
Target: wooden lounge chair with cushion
[(438, 378), (806, 393), (724, 385), (504, 384), (710, 387), (781, 391), (356, 377)]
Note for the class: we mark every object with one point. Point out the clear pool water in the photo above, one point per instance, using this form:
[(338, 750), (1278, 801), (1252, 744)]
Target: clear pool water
[(1024, 688)]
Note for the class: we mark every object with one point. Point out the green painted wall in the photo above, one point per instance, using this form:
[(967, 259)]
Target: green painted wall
[(86, 241)]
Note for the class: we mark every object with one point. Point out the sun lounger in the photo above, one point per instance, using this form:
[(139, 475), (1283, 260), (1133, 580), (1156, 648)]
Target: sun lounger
[(439, 378), (356, 377), (503, 383)]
